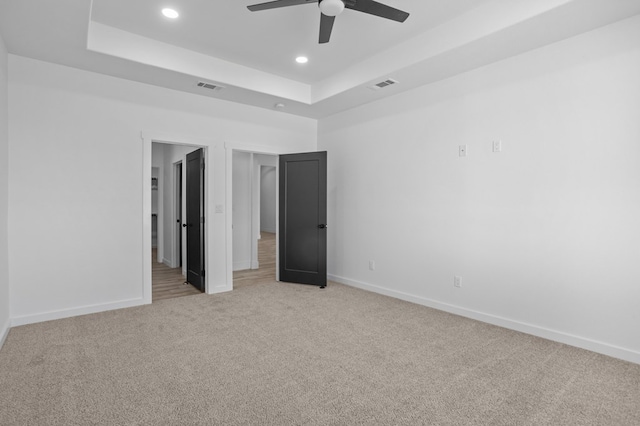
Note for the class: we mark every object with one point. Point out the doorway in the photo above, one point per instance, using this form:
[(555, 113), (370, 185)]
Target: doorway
[(180, 178), (254, 212), (297, 162)]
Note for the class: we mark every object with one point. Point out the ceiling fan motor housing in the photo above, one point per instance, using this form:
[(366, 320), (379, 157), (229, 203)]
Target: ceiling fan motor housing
[(331, 7)]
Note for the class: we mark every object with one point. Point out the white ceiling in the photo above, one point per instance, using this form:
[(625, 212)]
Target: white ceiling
[(252, 53), (270, 40)]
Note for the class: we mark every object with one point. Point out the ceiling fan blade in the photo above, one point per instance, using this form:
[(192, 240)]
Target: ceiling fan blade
[(326, 25), (278, 3), (378, 9)]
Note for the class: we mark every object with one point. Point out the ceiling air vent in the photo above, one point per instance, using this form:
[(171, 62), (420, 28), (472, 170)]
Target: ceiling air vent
[(383, 84), (210, 86)]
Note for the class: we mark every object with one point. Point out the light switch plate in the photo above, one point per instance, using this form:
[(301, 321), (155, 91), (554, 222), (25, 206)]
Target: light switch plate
[(457, 281)]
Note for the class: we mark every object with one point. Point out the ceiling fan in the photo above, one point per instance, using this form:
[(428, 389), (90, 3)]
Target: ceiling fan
[(329, 9)]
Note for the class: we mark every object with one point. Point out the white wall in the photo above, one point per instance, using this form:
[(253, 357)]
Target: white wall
[(268, 199), (76, 170), (260, 160), (4, 195), (544, 234), (242, 165)]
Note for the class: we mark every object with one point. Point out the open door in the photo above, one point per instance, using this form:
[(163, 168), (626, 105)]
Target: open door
[(195, 218), (303, 217)]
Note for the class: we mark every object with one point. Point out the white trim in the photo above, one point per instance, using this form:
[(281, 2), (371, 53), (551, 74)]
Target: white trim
[(545, 333), (173, 139), (4, 331), (160, 212), (255, 210), (146, 219), (84, 310), (177, 205), (256, 149), (242, 265), (228, 202)]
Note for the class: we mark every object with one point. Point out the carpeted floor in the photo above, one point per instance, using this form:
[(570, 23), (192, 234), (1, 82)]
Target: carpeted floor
[(286, 354)]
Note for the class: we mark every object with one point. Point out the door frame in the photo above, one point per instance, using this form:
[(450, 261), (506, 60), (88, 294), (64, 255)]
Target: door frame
[(255, 149), (147, 140), (178, 209)]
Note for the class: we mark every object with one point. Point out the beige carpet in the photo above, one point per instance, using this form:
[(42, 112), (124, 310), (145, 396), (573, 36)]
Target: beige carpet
[(285, 354)]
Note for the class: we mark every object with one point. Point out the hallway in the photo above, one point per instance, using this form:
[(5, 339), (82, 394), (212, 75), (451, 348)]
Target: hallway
[(168, 283), (266, 260)]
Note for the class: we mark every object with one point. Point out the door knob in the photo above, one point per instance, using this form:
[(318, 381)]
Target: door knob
[(184, 225), (322, 226)]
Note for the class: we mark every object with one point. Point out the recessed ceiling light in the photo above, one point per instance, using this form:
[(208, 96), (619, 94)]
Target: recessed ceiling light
[(170, 13), (302, 59)]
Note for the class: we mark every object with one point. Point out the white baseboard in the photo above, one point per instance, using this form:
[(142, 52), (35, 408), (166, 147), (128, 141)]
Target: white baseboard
[(66, 313), (167, 262), (219, 289), (242, 265), (4, 332), (556, 336)]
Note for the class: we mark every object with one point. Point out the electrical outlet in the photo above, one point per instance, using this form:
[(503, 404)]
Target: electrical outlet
[(462, 150), (457, 281), (372, 265), (497, 146)]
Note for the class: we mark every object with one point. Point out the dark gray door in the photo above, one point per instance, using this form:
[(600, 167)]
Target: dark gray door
[(195, 218), (303, 218)]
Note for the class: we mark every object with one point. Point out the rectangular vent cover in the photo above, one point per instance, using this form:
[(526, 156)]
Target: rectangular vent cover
[(382, 84), (210, 86)]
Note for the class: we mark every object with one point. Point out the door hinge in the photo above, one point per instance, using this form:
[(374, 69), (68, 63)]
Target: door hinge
[(202, 164)]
